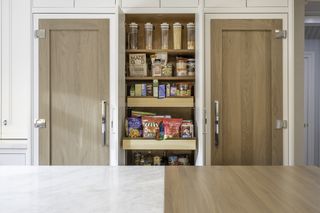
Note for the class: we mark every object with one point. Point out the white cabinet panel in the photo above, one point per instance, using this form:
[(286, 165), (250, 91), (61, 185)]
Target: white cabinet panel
[(53, 3), (267, 3), (15, 69), (225, 3), (141, 3), (95, 3), (179, 3), (12, 159)]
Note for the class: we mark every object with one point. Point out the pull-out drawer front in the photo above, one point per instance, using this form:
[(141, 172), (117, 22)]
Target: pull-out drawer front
[(53, 3), (94, 3), (179, 3), (225, 3), (141, 3), (12, 159), (267, 3), (13, 152)]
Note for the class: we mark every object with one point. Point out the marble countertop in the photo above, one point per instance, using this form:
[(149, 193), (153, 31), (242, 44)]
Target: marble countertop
[(81, 189)]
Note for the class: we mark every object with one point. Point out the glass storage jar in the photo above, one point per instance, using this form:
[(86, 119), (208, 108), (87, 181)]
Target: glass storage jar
[(181, 67), (133, 36), (164, 36), (191, 66), (190, 36), (177, 31), (148, 27)]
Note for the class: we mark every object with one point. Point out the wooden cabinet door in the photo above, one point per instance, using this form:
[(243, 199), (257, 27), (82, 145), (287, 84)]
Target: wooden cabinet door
[(73, 92), (15, 76), (247, 85)]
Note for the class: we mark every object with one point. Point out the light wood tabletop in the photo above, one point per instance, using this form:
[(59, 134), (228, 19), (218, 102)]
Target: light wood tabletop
[(242, 189)]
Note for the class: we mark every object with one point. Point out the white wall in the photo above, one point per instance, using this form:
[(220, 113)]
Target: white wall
[(314, 46)]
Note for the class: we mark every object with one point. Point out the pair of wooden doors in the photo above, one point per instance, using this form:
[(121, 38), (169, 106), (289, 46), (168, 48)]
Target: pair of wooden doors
[(73, 92), (246, 92)]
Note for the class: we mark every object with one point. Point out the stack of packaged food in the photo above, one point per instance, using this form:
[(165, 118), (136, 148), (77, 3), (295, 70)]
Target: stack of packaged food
[(151, 126), (149, 159)]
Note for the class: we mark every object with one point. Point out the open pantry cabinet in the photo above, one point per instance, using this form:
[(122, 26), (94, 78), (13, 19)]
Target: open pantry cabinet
[(175, 100)]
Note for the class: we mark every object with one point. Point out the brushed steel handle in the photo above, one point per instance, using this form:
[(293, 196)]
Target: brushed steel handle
[(104, 121), (40, 123), (216, 123)]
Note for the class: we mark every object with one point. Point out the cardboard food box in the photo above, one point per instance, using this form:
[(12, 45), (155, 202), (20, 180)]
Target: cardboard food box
[(138, 65)]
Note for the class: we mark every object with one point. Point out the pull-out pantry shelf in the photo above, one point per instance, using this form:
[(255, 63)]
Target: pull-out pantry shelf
[(165, 102), (150, 144)]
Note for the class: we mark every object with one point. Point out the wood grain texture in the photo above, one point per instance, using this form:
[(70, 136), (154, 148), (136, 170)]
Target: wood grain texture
[(75, 68), (242, 189), (247, 82)]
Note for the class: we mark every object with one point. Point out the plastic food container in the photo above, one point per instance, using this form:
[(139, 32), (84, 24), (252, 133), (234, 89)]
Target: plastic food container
[(133, 36), (148, 27), (191, 66), (181, 67), (165, 36), (190, 36), (177, 29)]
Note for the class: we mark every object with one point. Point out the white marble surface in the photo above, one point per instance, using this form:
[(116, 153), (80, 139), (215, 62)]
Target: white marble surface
[(81, 189)]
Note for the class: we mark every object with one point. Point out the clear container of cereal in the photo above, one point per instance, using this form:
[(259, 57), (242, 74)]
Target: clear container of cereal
[(164, 36), (190, 36), (177, 34), (148, 27), (133, 36)]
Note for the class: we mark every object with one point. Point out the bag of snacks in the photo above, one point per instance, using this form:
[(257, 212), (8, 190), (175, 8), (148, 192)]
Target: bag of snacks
[(134, 127), (187, 129), (151, 127), (172, 127)]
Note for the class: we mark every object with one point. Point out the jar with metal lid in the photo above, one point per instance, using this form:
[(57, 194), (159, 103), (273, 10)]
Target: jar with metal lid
[(181, 67), (177, 32), (183, 89), (133, 36), (148, 27), (190, 36), (191, 66), (165, 36), (156, 68)]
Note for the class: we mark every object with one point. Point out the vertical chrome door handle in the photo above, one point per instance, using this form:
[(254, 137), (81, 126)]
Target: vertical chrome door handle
[(104, 121), (216, 123), (40, 123)]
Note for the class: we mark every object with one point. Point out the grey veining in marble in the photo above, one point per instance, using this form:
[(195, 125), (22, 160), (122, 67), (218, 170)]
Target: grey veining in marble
[(81, 189)]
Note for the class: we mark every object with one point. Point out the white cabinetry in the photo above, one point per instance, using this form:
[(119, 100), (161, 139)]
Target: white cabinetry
[(94, 3), (15, 75), (267, 3), (141, 3), (245, 3), (13, 152), (224, 3), (179, 3), (53, 3)]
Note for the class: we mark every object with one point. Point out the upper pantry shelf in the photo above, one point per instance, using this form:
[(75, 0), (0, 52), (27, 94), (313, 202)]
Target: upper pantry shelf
[(169, 51)]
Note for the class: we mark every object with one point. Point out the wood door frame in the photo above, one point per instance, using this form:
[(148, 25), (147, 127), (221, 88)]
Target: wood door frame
[(310, 152), (113, 86), (287, 144)]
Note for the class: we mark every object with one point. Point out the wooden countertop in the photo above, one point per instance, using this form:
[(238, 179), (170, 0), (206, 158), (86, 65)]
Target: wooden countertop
[(242, 189)]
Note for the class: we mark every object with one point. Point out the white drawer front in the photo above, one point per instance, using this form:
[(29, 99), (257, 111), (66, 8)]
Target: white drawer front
[(53, 3), (225, 3), (267, 3), (141, 3), (12, 159), (95, 3), (179, 3)]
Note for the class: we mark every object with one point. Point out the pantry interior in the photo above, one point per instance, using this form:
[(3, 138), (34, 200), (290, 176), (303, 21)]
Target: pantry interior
[(160, 73)]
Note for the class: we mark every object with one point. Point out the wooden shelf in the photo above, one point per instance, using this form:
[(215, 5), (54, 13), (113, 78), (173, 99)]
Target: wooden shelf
[(173, 78), (149, 144), (169, 51), (155, 102)]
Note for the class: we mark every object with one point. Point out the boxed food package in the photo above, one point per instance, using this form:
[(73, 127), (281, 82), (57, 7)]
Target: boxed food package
[(162, 91), (134, 127), (141, 114), (187, 130), (172, 127), (137, 89), (138, 65), (151, 127)]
